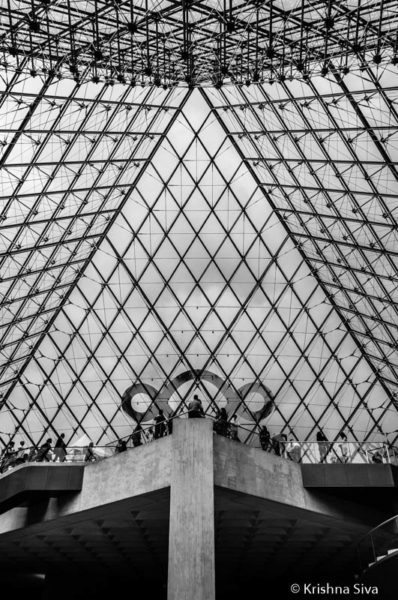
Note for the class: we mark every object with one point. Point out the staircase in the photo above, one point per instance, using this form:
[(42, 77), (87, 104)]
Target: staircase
[(378, 556)]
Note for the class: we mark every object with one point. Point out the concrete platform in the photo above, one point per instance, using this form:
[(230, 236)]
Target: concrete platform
[(32, 481), (266, 525), (350, 476)]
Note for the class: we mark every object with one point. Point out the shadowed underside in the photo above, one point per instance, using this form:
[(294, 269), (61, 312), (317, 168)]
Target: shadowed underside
[(267, 525)]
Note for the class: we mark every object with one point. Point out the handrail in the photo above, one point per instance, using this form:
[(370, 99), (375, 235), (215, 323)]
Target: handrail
[(7, 462), (144, 428), (377, 544), (379, 526), (312, 452), (32, 454)]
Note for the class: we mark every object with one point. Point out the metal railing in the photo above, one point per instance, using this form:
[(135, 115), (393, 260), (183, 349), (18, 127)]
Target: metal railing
[(340, 452), (317, 452), (301, 452), (149, 432), (70, 454), (83, 454), (379, 543)]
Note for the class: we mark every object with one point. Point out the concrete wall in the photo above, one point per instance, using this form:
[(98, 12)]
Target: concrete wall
[(146, 469), (242, 468), (39, 477), (257, 473), (350, 476), (138, 471)]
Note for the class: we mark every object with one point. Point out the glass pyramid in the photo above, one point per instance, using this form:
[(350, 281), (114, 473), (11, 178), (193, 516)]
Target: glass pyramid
[(185, 263), (198, 197)]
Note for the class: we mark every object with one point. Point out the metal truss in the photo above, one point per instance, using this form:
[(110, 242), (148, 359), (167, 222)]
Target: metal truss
[(200, 41)]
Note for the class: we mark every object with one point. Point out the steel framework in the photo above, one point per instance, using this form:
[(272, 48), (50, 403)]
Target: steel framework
[(199, 41), (202, 193)]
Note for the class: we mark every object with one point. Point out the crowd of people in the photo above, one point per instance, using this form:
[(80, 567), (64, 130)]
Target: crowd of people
[(12, 456), (327, 452), (279, 444), (322, 449)]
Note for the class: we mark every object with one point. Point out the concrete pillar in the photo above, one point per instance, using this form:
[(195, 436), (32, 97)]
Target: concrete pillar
[(191, 536)]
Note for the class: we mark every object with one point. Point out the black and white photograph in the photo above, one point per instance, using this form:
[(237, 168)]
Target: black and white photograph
[(198, 299)]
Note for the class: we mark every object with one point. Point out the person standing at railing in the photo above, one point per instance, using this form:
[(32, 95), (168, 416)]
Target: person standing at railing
[(169, 425), (32, 454), (149, 435), (293, 450), (160, 425), (44, 453), (234, 428), (221, 424), (22, 454), (391, 454), (8, 456), (89, 455), (121, 446), (279, 444), (60, 449), (377, 457), (265, 438), (195, 408), (136, 436), (323, 445), (343, 448)]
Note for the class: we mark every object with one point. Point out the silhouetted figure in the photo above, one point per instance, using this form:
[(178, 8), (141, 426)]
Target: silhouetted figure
[(121, 446), (8, 456), (170, 426), (3, 452), (391, 454), (195, 408), (160, 425), (21, 455), (265, 438), (149, 434), (89, 455), (377, 457), (136, 436), (9, 450), (293, 450), (44, 453), (60, 449), (343, 448), (323, 445), (221, 424), (279, 444), (32, 454), (234, 429)]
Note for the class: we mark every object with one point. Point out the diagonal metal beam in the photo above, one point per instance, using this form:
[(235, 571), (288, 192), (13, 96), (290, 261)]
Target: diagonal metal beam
[(104, 233), (297, 245)]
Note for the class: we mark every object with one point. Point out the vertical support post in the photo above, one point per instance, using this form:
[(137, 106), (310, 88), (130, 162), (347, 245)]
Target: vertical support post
[(191, 573)]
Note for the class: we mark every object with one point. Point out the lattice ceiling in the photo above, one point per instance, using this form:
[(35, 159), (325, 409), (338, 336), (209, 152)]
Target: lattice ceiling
[(197, 41), (249, 231)]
